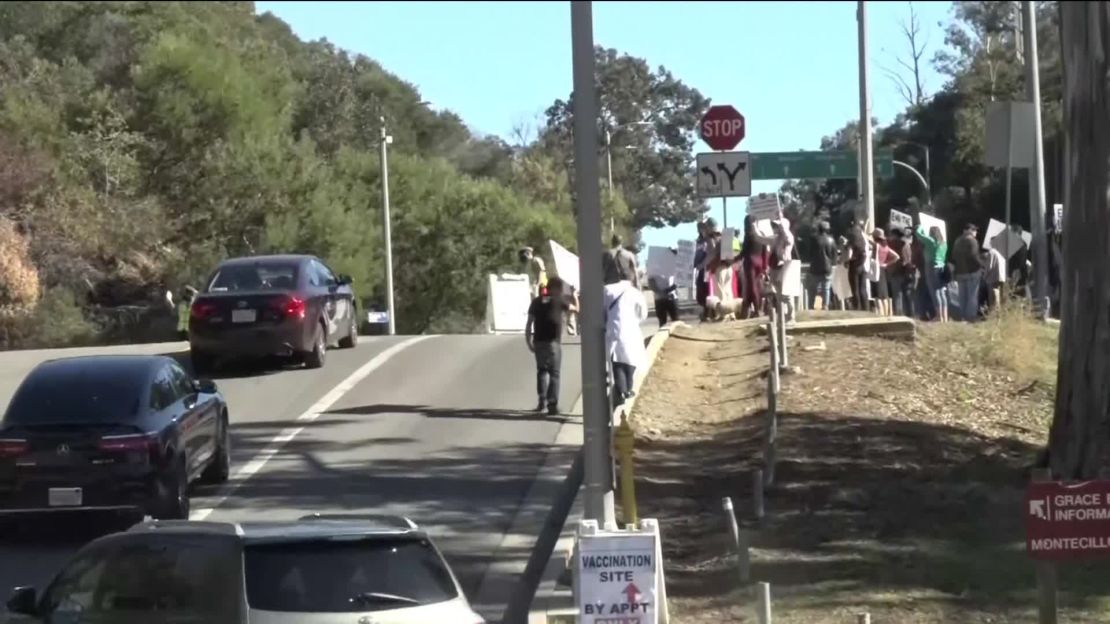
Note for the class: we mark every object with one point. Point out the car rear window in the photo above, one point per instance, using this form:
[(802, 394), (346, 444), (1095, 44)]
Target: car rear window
[(345, 576), (91, 394), (257, 276)]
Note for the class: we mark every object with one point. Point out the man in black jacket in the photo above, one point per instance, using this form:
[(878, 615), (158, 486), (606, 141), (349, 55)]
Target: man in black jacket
[(968, 271), (821, 266), (857, 274)]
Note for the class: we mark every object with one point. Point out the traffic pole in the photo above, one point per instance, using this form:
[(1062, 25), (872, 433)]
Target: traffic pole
[(1036, 172), (866, 174), (595, 415), (387, 234)]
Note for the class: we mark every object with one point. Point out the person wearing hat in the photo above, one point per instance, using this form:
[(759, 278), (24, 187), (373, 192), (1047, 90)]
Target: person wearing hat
[(885, 258), (534, 267), (184, 306), (968, 272)]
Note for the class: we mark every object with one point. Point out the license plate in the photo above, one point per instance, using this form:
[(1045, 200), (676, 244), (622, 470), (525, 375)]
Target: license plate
[(244, 316), (65, 497)]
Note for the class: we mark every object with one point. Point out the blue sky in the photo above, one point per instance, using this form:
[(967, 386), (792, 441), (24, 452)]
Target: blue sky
[(790, 67)]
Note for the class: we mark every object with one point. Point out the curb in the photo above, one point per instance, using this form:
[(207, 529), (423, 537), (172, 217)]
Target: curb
[(550, 600)]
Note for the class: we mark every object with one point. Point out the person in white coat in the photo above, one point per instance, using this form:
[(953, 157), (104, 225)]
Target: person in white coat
[(625, 309)]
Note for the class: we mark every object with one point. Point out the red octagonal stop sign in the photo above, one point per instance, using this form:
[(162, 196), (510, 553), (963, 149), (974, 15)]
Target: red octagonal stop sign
[(722, 127)]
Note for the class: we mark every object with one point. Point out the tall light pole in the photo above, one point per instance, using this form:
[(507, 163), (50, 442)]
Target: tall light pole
[(609, 174), (866, 164), (387, 234), (597, 463), (1036, 172)]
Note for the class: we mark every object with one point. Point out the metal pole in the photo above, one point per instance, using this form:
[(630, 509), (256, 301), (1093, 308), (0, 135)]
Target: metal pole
[(595, 444), (387, 234), (609, 174), (724, 212), (1009, 177), (928, 175), (1036, 172), (867, 173)]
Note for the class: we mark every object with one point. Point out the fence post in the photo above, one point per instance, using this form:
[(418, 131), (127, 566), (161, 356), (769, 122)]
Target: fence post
[(757, 494), (739, 540), (863, 618), (783, 359), (1047, 606), (769, 450), (764, 597)]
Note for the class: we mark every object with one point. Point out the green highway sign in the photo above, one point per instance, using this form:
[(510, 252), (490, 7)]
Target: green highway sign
[(825, 165)]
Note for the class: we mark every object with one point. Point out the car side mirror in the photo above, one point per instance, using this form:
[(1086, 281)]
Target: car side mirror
[(206, 386), (23, 601), (345, 280)]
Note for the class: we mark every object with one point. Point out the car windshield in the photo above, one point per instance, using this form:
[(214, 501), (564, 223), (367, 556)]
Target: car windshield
[(330, 576), (90, 394), (167, 579), (257, 276)]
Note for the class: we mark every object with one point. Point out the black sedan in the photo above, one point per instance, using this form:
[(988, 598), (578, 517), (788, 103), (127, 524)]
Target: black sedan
[(272, 305), (124, 434)]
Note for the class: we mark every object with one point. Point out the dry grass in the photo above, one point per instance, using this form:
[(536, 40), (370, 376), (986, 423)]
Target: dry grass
[(899, 484)]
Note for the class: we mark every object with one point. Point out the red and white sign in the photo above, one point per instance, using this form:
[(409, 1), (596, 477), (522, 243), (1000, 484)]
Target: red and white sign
[(722, 127), (1067, 520)]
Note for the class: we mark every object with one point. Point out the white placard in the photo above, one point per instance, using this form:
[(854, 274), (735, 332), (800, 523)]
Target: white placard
[(566, 264), (994, 228), (928, 221), (507, 302), (1058, 216), (900, 220), (764, 206), (1008, 242), (684, 264), (661, 262), (724, 174), (619, 575), (728, 236)]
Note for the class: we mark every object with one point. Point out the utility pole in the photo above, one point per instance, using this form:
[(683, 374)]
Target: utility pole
[(866, 165), (597, 460), (387, 234), (609, 174), (1036, 172)]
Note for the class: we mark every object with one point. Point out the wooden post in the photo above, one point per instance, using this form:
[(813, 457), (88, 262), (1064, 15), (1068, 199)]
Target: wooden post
[(783, 359), (773, 374), (864, 618), (740, 542), (757, 494), (764, 597), (1047, 603)]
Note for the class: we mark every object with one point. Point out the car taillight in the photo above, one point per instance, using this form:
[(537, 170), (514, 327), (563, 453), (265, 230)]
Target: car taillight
[(203, 310), (13, 448), (140, 443), (291, 307)]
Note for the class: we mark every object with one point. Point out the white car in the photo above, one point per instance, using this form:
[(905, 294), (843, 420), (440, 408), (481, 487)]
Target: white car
[(318, 570)]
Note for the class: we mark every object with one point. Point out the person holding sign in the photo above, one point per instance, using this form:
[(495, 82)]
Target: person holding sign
[(754, 254), (936, 253)]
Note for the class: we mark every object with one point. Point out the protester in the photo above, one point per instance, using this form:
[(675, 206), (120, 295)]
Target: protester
[(619, 263), (625, 309), (184, 306), (926, 311), (842, 288), (936, 253), (782, 252), (994, 276), (701, 251), (886, 260), (857, 274), (754, 257), (821, 267), (543, 334), (572, 314), (723, 287), (968, 270), (901, 275), (709, 269), (534, 267), (666, 295)]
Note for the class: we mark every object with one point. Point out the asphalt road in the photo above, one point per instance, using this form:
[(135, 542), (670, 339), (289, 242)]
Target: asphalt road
[(435, 428)]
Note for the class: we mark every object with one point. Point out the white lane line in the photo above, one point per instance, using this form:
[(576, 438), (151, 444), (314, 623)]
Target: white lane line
[(256, 463)]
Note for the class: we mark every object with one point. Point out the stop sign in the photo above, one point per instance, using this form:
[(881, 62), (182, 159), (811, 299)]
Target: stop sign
[(722, 128)]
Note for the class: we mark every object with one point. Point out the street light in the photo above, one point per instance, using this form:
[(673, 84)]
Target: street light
[(609, 163), (387, 235), (928, 168)]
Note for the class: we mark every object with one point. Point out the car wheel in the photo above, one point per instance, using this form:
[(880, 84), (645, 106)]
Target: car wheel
[(351, 339), (203, 363), (315, 358), (220, 469), (173, 494)]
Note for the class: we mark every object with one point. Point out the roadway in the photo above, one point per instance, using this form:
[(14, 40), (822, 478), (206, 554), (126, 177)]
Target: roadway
[(437, 428)]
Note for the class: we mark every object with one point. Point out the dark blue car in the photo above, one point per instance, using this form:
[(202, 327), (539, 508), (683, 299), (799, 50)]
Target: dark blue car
[(124, 434)]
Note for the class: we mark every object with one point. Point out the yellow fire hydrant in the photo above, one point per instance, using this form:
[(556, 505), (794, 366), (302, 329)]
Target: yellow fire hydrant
[(624, 440)]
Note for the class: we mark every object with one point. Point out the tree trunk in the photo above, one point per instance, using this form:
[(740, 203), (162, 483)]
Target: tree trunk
[(1079, 440)]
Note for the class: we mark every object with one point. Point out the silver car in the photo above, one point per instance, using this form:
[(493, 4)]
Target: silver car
[(317, 570)]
